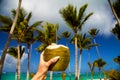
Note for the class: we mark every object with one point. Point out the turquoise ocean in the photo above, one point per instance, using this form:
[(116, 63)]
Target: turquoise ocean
[(56, 76)]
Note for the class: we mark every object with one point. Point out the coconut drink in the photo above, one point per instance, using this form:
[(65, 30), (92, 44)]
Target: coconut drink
[(62, 51)]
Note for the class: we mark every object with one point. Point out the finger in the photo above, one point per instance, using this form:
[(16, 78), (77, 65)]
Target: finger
[(53, 60), (44, 78), (41, 56)]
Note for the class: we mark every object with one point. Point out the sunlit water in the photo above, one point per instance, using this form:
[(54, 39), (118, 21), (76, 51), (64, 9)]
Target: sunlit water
[(56, 76)]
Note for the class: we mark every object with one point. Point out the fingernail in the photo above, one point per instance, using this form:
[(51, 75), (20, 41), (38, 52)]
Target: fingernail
[(56, 58)]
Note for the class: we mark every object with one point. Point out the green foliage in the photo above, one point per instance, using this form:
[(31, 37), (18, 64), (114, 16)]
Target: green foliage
[(116, 6), (6, 23), (82, 11), (31, 75), (113, 74), (47, 35), (93, 32), (69, 14), (13, 51), (41, 47), (116, 31), (99, 63), (117, 60), (73, 19), (66, 34), (63, 75), (22, 14), (84, 41)]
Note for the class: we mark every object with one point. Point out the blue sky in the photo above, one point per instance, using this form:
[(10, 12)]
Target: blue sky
[(48, 10)]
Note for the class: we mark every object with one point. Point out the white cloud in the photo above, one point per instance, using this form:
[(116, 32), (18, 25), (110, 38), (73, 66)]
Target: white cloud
[(102, 21), (48, 10), (10, 62), (24, 57)]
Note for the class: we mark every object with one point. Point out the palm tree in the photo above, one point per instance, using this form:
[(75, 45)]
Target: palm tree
[(13, 52), (93, 32), (63, 75), (29, 38), (116, 6), (116, 31), (21, 29), (47, 36), (75, 21), (117, 60), (66, 35), (19, 33), (9, 38), (100, 64), (115, 9), (91, 66), (113, 74), (84, 42)]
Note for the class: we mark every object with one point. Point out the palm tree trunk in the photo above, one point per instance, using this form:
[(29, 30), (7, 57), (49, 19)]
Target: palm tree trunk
[(76, 58), (99, 73), (69, 71), (98, 53), (69, 62), (91, 76), (51, 72), (80, 61), (4, 54), (16, 73), (114, 13), (28, 70), (89, 65), (9, 38), (18, 63)]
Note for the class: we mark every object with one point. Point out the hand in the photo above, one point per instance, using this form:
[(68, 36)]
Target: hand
[(43, 67)]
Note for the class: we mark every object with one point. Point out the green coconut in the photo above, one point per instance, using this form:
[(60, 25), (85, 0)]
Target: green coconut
[(62, 51)]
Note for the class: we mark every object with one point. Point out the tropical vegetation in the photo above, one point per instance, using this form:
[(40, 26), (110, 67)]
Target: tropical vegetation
[(99, 63), (19, 29), (13, 51), (23, 31), (75, 21), (10, 35)]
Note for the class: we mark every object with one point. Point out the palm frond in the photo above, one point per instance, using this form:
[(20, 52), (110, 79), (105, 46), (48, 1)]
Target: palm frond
[(93, 32), (5, 29), (117, 60), (12, 51), (82, 11), (69, 15), (29, 16), (84, 20), (33, 26), (116, 6), (41, 47), (5, 20), (66, 34), (116, 31)]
